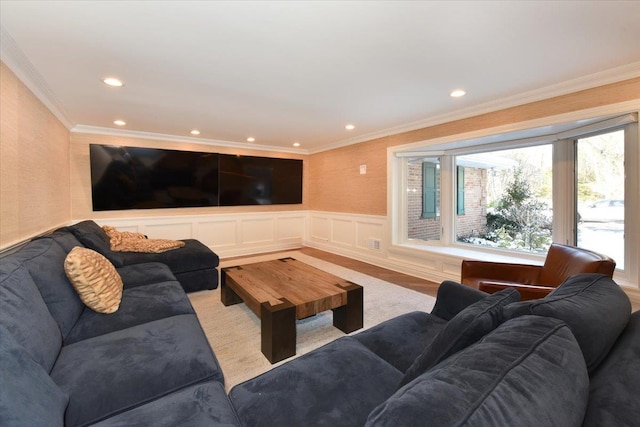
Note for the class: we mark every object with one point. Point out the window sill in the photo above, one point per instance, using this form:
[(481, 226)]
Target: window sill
[(461, 252)]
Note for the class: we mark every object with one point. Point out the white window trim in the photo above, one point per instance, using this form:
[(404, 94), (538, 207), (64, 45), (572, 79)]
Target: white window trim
[(397, 201)]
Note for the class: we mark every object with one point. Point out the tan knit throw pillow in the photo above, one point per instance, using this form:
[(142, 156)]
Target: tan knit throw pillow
[(126, 241), (95, 279)]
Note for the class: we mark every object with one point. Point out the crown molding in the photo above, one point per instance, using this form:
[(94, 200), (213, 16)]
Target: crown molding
[(613, 75), (19, 63), (173, 138)]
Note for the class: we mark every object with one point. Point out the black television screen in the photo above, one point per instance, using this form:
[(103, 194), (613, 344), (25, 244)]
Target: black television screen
[(148, 178), (247, 180)]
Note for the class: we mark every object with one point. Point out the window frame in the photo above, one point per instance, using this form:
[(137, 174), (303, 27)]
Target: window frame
[(563, 223)]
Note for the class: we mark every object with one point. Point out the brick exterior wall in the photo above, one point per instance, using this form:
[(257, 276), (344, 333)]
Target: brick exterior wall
[(474, 220), (418, 227)]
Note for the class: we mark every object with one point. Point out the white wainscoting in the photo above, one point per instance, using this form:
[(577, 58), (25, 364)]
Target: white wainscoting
[(364, 237), (361, 237), (228, 235)]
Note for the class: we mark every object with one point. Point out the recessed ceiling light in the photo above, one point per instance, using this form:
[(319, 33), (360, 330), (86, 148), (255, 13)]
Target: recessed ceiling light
[(195, 132), (296, 144), (251, 139), (112, 81), (457, 93), (119, 122), (349, 127)]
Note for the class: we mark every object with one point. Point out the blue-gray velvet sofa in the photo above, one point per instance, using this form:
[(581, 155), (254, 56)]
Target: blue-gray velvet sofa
[(570, 359)]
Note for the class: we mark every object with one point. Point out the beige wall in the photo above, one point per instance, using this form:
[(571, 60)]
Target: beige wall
[(34, 164), (337, 186), (81, 177)]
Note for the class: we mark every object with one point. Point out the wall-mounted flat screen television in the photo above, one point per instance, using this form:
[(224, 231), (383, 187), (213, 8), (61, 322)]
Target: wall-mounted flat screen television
[(149, 178), (246, 180)]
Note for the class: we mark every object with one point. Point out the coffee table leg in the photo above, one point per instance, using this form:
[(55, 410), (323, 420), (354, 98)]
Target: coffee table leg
[(349, 318), (278, 330), (227, 295)]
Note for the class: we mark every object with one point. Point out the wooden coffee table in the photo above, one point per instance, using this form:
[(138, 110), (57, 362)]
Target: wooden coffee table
[(284, 290)]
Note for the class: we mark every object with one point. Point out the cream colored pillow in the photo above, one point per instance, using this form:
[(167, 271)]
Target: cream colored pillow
[(95, 279)]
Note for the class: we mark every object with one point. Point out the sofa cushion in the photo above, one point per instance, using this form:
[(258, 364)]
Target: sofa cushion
[(28, 396), (337, 384), (139, 305), (594, 307), (44, 259), (615, 386), (199, 405), (95, 279), (194, 255), (467, 327), (65, 239), (145, 274), (93, 237), (122, 370), (453, 297), (25, 315), (527, 372), (400, 340)]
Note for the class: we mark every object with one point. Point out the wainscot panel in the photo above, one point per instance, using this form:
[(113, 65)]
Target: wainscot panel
[(228, 235)]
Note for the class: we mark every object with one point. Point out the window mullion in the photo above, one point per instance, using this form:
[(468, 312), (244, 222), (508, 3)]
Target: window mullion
[(447, 201)]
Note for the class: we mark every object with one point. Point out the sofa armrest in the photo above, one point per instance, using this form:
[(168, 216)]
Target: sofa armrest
[(527, 292), (475, 271), (453, 298)]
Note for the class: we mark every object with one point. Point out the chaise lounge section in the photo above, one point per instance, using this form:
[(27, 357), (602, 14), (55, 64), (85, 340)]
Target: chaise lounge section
[(194, 265)]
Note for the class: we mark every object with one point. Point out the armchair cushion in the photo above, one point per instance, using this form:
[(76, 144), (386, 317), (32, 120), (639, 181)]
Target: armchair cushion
[(471, 324), (527, 292), (473, 272)]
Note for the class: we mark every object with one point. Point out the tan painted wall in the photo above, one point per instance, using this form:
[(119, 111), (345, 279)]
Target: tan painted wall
[(81, 177), (34, 164), (336, 185)]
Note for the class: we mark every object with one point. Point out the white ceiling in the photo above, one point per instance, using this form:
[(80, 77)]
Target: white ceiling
[(287, 72)]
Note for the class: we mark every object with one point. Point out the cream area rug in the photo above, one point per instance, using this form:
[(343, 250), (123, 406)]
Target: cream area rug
[(234, 331)]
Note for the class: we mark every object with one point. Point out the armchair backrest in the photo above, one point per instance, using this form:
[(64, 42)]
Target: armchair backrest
[(564, 261)]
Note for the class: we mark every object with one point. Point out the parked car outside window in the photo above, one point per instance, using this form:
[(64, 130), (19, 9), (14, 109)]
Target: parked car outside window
[(602, 211)]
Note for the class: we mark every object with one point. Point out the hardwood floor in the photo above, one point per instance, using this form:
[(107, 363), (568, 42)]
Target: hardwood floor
[(405, 280)]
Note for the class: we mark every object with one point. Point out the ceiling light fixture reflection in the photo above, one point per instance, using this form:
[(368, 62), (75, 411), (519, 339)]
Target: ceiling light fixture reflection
[(349, 127), (119, 122), (296, 144), (457, 93), (251, 139), (195, 132), (112, 81)]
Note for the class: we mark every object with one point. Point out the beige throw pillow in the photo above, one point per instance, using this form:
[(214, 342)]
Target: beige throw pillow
[(95, 279)]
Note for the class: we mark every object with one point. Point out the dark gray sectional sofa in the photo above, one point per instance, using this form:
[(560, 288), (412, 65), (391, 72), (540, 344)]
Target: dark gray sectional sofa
[(147, 364), (570, 359)]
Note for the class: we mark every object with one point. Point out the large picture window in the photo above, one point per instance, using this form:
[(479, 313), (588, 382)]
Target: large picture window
[(510, 198), (514, 194)]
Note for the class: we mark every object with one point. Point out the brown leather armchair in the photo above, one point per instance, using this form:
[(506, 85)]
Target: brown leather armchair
[(535, 281)]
